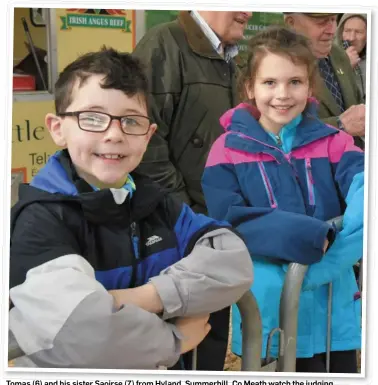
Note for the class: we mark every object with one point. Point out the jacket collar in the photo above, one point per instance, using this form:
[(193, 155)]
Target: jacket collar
[(58, 181), (243, 119), (197, 40)]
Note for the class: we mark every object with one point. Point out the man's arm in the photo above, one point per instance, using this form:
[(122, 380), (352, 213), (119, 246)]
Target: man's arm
[(158, 51)]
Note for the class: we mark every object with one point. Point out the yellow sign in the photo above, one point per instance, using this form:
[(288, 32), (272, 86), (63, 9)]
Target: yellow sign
[(31, 142), (76, 41)]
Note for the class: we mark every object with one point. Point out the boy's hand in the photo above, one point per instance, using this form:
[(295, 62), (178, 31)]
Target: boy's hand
[(194, 330)]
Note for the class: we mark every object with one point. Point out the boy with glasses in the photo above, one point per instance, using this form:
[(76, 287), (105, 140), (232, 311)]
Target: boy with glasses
[(107, 270)]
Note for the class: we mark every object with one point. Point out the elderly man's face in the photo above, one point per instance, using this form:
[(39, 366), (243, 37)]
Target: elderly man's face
[(355, 32), (320, 30), (229, 26)]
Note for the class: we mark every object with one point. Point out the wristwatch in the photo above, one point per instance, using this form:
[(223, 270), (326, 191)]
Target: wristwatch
[(339, 123)]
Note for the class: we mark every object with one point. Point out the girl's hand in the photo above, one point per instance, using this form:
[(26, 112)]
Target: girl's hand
[(326, 243)]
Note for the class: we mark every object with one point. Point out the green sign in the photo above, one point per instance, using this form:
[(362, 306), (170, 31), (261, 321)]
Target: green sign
[(153, 18), (95, 21), (258, 22)]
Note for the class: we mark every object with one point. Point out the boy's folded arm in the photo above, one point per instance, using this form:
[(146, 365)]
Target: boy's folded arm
[(214, 275), (145, 297), (58, 303), (63, 317)]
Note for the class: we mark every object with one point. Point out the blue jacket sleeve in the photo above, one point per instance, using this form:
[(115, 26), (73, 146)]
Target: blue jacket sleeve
[(189, 226), (267, 232), (348, 246)]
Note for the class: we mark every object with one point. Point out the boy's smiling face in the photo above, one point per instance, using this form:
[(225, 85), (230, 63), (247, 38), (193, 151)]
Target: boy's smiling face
[(91, 151)]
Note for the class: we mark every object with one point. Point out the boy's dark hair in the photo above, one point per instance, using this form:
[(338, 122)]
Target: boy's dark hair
[(278, 40), (121, 71)]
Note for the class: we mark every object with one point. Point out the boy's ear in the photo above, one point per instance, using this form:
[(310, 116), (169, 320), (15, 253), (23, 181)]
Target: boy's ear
[(54, 125), (151, 131)]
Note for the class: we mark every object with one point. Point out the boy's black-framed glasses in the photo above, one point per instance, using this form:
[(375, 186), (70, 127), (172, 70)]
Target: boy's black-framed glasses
[(95, 121)]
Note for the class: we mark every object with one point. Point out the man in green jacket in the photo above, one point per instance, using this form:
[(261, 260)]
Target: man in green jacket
[(341, 102), (192, 75)]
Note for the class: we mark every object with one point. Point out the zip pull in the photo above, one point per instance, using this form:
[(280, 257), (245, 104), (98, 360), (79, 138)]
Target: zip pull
[(310, 182), (279, 141), (135, 239), (309, 170)]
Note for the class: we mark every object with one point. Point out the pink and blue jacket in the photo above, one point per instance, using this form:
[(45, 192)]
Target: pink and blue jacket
[(279, 194)]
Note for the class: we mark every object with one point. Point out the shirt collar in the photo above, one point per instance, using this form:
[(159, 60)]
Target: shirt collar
[(228, 52), (120, 194)]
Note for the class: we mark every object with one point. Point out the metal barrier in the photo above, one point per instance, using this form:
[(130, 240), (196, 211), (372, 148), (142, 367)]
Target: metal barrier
[(252, 332), (289, 306), (288, 323)]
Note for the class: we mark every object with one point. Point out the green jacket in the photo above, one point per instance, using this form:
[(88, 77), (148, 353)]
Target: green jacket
[(328, 108), (191, 87)]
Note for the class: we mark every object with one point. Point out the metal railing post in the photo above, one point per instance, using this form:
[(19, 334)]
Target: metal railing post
[(251, 332), (289, 306)]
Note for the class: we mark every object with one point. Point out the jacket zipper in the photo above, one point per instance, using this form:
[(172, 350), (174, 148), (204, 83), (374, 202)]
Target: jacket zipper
[(258, 141), (135, 240), (286, 156), (268, 186), (135, 243), (310, 182)]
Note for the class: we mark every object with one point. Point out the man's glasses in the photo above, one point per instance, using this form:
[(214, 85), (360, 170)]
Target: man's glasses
[(94, 121)]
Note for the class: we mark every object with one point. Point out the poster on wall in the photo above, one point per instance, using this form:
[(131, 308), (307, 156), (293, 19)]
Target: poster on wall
[(32, 145)]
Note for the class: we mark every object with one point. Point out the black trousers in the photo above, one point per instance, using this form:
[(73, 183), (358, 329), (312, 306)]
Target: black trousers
[(340, 362), (211, 352)]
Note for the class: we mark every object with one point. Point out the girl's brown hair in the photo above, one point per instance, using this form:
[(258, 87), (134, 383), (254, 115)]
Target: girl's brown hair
[(280, 41)]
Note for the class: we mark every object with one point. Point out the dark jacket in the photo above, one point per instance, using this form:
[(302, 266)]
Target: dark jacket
[(70, 244), (191, 87)]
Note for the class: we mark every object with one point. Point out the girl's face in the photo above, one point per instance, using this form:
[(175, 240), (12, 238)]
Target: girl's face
[(280, 90)]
